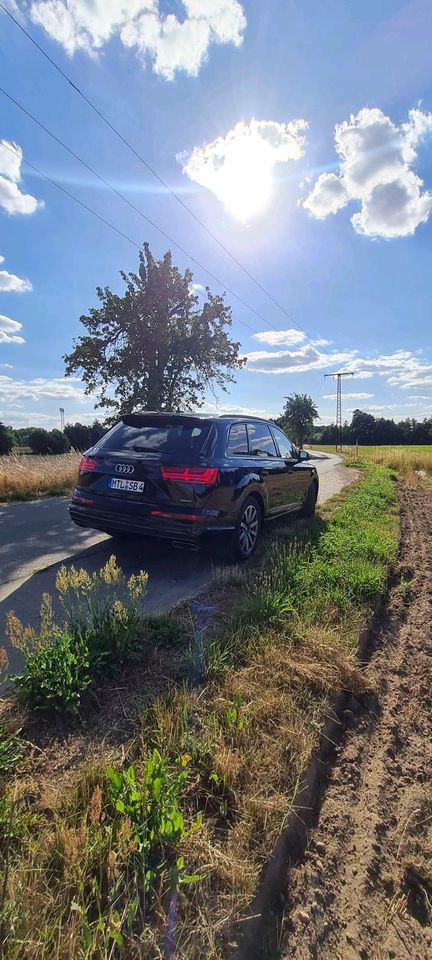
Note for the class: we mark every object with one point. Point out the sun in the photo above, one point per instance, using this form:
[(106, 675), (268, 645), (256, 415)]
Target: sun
[(245, 182)]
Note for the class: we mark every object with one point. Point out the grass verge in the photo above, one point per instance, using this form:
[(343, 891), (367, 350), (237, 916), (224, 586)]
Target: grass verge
[(26, 477), (159, 856)]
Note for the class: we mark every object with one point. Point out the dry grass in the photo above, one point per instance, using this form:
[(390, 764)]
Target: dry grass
[(27, 476), (399, 458), (246, 735)]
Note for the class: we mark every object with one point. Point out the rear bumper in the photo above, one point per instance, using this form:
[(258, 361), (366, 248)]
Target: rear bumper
[(100, 513)]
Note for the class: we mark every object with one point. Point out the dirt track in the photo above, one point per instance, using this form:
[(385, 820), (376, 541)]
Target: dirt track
[(364, 889)]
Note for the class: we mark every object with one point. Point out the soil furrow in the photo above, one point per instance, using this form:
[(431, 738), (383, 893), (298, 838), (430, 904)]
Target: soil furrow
[(358, 894)]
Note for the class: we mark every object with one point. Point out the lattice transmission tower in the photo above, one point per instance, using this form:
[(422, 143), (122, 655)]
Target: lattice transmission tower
[(346, 373)]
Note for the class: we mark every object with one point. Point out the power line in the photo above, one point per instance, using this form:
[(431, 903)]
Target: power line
[(157, 175), (93, 212), (125, 199)]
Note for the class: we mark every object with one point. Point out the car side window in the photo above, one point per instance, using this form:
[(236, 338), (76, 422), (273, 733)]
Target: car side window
[(237, 441), (287, 450), (261, 443)]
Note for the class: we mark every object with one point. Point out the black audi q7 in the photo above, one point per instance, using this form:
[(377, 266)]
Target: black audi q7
[(180, 476)]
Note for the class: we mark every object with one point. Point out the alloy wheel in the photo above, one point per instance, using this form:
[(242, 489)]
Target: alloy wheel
[(249, 529)]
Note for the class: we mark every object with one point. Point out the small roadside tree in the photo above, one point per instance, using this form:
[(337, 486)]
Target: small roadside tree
[(48, 441), (153, 345), (58, 442), (38, 440), (6, 439), (298, 416)]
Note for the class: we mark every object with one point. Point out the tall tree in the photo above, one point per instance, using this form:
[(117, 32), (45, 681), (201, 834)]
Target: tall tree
[(298, 416), (153, 345), (6, 439)]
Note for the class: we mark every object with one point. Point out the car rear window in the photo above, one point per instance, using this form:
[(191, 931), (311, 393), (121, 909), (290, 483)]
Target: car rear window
[(237, 440), (170, 436), (261, 443)]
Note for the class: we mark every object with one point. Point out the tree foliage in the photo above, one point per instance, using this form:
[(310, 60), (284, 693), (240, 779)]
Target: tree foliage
[(370, 430), (82, 436), (48, 441), (6, 439), (153, 346), (298, 416)]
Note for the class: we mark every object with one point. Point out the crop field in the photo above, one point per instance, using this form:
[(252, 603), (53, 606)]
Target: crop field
[(26, 476), (400, 458)]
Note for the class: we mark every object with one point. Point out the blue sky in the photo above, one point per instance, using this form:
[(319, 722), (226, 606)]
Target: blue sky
[(300, 134)]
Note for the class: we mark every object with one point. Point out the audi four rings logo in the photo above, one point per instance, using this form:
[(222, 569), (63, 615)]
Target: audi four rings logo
[(124, 468)]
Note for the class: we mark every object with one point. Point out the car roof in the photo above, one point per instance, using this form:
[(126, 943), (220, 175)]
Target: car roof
[(187, 415)]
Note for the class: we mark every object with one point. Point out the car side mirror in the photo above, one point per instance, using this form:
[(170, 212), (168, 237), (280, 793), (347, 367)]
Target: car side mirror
[(303, 455)]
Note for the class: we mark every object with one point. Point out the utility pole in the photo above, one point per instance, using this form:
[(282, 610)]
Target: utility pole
[(339, 376), (61, 419)]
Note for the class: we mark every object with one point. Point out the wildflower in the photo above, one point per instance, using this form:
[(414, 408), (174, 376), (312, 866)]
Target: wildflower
[(137, 584), (23, 638), (46, 618), (95, 806), (62, 581), (119, 611), (111, 572), (3, 660)]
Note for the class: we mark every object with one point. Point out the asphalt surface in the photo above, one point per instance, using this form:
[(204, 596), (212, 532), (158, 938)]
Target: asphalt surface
[(38, 536)]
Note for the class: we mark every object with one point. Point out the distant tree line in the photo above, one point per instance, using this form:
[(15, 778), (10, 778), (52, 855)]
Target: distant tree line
[(370, 430), (77, 436)]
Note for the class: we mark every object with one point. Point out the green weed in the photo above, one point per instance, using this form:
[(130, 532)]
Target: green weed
[(11, 751)]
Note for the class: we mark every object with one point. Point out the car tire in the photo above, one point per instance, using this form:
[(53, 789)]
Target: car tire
[(309, 503), (247, 529)]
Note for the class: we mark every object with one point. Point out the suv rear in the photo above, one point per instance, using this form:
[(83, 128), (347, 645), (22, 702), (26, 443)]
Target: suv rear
[(180, 476)]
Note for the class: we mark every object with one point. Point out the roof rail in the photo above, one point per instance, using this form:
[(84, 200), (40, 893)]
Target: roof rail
[(242, 416)]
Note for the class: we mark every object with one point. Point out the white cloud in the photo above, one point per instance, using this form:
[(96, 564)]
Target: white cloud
[(11, 198), (6, 366), (9, 329), (57, 388), (9, 283), (219, 409), (379, 407), (376, 157), (349, 396), (170, 43), (308, 357), (276, 338), (238, 168)]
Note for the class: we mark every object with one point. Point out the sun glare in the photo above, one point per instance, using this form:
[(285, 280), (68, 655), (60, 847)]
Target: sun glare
[(245, 183)]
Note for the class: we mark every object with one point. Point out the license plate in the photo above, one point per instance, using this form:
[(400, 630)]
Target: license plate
[(132, 486)]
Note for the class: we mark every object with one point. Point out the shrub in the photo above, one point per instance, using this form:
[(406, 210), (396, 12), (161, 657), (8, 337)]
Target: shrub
[(151, 804), (104, 610), (6, 439), (56, 664), (103, 628), (48, 441)]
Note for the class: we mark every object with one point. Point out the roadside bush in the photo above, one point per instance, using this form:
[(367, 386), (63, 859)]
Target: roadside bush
[(6, 439), (151, 806), (48, 441), (103, 629), (103, 610)]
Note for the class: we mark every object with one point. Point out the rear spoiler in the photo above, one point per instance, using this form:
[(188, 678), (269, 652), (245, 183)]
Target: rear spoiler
[(159, 419)]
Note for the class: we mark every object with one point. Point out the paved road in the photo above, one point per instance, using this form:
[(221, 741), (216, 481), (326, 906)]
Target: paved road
[(36, 537)]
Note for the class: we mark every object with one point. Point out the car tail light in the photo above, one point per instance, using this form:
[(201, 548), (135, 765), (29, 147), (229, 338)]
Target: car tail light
[(206, 475), (87, 464)]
